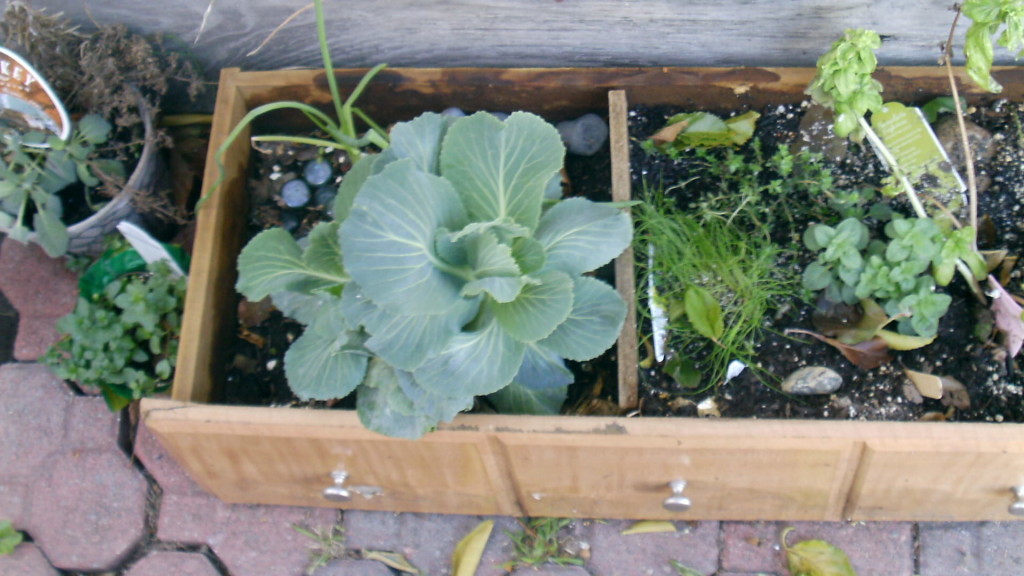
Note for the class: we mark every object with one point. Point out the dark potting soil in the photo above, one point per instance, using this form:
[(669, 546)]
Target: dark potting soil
[(994, 382), (255, 372)]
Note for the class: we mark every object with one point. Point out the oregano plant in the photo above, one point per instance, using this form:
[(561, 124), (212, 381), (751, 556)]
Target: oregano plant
[(122, 336), (451, 272)]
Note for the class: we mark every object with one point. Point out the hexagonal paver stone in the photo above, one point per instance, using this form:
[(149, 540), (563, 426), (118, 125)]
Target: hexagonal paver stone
[(177, 563), (249, 540), (31, 417), (428, 540), (88, 510), (351, 567), (41, 289), (27, 560), (168, 474), (91, 425), (14, 500), (693, 544)]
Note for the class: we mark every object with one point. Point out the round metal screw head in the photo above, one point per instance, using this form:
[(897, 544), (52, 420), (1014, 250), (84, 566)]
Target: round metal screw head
[(1017, 507), (677, 502), (338, 492)]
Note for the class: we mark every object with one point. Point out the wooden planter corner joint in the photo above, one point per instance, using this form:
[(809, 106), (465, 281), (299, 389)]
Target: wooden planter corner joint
[(605, 467)]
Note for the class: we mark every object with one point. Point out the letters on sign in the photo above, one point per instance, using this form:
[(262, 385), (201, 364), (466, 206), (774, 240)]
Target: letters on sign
[(27, 102)]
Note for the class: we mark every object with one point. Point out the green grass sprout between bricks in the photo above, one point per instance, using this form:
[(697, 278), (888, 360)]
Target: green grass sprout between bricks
[(538, 543), (326, 543)]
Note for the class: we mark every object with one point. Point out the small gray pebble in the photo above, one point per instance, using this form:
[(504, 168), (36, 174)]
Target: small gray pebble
[(325, 195), (295, 193), (317, 172), (585, 135), (812, 380)]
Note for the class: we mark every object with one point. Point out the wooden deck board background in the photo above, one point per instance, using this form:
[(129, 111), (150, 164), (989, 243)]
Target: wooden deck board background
[(541, 33)]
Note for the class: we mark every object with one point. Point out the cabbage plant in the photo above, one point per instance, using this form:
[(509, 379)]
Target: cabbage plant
[(452, 271)]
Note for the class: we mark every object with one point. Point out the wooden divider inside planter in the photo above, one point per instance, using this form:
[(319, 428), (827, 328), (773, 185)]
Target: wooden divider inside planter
[(557, 466)]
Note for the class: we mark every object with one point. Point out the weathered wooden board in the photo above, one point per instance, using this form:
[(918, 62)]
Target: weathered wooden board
[(603, 467), (525, 33)]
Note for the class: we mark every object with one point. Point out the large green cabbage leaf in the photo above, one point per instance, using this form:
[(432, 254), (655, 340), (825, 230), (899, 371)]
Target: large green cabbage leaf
[(447, 275)]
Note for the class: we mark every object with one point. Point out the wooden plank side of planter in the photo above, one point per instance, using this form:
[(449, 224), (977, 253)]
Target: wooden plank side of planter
[(210, 302), (964, 474), (727, 478), (602, 466), (730, 89), (286, 457)]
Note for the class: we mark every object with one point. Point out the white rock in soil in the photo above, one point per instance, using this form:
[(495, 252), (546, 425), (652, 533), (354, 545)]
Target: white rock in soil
[(812, 380)]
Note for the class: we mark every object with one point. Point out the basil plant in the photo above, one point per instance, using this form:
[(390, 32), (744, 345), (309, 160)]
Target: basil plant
[(452, 271)]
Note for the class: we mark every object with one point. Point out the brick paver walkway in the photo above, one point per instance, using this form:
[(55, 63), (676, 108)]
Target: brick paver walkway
[(91, 501)]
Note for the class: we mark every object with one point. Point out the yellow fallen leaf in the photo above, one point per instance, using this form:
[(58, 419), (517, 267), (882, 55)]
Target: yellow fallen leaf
[(897, 341), (470, 549), (929, 385), (649, 527), (392, 559), (669, 133), (815, 558)]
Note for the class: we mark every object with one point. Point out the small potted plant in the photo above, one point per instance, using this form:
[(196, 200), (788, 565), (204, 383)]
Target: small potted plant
[(121, 340), (66, 188)]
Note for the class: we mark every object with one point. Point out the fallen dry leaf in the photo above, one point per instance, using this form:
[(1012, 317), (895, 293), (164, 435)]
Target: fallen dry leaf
[(929, 385), (815, 558), (392, 559), (669, 133), (937, 416), (1008, 317), (254, 313), (948, 389), (994, 258), (911, 393), (868, 355), (955, 394), (1006, 269), (470, 549), (649, 527)]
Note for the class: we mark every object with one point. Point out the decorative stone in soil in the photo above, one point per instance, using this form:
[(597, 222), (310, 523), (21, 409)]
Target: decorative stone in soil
[(812, 380)]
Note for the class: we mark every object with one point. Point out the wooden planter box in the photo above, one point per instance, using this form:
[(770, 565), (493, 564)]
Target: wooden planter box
[(559, 466)]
